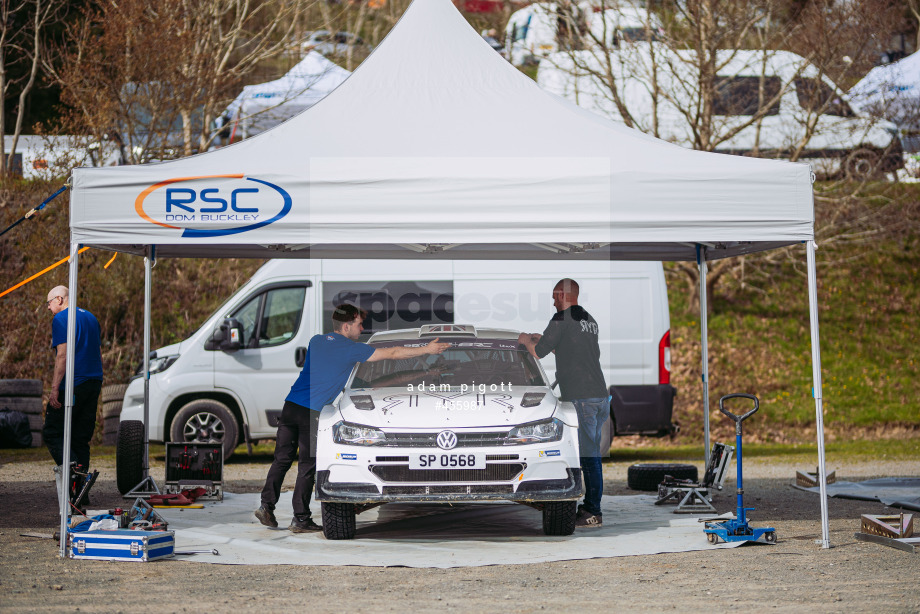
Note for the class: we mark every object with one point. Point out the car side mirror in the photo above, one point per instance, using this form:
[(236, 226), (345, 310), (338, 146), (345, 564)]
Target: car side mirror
[(227, 337)]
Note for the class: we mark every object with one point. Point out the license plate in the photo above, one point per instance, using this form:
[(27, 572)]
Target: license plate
[(447, 460)]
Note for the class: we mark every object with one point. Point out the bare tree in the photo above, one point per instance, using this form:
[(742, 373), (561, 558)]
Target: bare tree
[(714, 74), (23, 25), (154, 76)]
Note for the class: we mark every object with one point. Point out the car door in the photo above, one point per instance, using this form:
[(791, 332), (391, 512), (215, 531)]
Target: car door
[(275, 334)]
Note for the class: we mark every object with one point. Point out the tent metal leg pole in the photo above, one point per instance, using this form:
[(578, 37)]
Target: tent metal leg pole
[(816, 387), (64, 495), (704, 344), (147, 301), (147, 486)]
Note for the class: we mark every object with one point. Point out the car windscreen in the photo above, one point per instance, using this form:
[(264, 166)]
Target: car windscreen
[(468, 361)]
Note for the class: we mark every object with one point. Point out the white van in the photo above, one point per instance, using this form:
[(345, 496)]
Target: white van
[(843, 142), (533, 31), (227, 382)]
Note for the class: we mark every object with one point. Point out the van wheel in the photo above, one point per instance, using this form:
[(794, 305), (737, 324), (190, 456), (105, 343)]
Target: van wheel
[(206, 421), (607, 437), (862, 165), (129, 455), (338, 520), (559, 517)]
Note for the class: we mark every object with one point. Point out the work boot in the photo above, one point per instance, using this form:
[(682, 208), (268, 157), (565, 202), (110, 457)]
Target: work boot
[(585, 519), (303, 524), (266, 516)]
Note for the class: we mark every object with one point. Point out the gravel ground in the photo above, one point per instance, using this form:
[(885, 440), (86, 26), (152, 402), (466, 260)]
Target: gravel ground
[(793, 576)]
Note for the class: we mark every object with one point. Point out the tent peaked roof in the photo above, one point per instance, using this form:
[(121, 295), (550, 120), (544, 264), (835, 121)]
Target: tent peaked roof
[(436, 147)]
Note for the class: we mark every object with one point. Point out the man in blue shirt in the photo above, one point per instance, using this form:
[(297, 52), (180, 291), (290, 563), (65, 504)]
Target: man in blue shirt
[(329, 361), (87, 380)]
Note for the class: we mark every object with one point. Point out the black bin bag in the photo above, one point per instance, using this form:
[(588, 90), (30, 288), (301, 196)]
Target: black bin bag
[(14, 429)]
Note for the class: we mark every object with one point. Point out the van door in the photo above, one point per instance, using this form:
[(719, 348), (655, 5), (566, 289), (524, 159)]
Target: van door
[(275, 335)]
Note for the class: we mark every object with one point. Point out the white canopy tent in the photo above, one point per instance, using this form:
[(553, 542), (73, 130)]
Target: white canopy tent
[(436, 148), (263, 106)]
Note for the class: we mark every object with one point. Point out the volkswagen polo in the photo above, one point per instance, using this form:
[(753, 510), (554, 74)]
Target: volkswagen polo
[(479, 422)]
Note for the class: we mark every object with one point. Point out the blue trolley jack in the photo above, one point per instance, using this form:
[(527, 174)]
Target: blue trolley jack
[(738, 530)]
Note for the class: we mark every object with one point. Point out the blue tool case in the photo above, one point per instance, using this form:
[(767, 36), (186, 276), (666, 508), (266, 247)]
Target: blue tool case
[(121, 545)]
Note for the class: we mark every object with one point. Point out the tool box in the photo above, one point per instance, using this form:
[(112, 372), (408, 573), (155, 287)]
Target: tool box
[(195, 465), (121, 545)]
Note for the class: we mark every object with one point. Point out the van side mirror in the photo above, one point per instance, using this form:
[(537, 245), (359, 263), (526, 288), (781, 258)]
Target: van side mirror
[(227, 337)]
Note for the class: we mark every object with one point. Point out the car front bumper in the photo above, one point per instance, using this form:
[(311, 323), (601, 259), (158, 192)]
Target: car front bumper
[(527, 491)]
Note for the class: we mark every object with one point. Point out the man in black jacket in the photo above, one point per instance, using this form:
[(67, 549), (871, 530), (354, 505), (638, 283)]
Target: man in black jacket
[(573, 335)]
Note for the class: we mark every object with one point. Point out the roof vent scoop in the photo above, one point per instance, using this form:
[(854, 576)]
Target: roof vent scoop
[(435, 330)]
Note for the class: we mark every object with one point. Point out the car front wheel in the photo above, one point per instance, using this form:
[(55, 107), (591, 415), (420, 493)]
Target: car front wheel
[(559, 517), (339, 520)]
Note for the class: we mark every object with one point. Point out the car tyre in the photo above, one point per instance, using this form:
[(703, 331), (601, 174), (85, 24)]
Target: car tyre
[(339, 520), (129, 455), (21, 388), (647, 476), (559, 517), (206, 421)]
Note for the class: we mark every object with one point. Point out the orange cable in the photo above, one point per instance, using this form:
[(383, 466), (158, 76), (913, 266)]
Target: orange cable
[(40, 273)]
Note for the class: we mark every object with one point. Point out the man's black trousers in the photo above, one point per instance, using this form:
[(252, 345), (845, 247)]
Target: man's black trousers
[(296, 430), (82, 424)]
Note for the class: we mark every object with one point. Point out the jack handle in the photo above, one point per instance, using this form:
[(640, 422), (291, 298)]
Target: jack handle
[(738, 419)]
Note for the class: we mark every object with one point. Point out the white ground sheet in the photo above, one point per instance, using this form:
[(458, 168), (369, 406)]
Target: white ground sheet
[(425, 535)]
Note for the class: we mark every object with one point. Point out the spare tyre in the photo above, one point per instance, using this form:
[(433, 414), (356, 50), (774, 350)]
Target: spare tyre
[(647, 476), (20, 388), (129, 455)]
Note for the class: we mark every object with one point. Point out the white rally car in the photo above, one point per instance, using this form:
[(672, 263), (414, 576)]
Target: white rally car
[(479, 422)]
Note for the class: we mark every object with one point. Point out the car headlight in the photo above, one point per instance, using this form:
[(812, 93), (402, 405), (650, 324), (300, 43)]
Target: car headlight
[(357, 435), (535, 432), (158, 364)]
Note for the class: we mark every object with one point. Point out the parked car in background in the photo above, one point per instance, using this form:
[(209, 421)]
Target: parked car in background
[(334, 43), (479, 422)]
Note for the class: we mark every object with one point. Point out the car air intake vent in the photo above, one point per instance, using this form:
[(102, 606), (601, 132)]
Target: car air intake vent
[(429, 440), (499, 457), (397, 459), (492, 473), (471, 489)]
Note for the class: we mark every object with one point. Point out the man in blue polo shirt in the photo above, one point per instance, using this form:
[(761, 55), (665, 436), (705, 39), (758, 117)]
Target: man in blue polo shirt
[(87, 380), (329, 361)]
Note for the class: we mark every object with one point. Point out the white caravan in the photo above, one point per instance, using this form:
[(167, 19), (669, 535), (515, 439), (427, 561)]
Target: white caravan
[(842, 141), (227, 382)]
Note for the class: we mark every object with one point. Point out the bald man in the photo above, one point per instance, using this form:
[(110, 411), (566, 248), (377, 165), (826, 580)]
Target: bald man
[(87, 381), (573, 335)]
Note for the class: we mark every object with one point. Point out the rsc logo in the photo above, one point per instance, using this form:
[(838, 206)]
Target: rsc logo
[(213, 205)]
